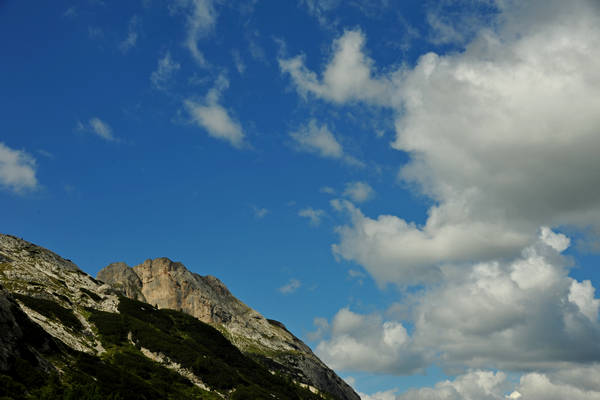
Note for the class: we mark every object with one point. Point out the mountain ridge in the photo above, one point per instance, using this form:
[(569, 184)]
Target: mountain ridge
[(69, 335), (170, 284)]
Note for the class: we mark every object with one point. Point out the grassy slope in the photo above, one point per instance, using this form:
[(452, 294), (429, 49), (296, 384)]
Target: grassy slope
[(124, 373)]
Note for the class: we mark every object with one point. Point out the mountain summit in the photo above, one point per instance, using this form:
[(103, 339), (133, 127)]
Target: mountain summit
[(171, 285), (66, 335)]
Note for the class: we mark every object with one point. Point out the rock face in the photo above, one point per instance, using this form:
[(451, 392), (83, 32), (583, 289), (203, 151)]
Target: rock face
[(169, 284), (57, 321), (34, 271)]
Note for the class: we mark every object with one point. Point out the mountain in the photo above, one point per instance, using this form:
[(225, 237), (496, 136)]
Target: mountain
[(170, 285), (66, 335)]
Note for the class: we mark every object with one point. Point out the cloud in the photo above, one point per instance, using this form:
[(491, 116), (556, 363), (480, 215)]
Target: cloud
[(323, 10), (319, 140), (260, 213), (480, 385), (132, 35), (70, 13), (239, 63), (394, 250), (322, 328), (367, 343), (347, 77), (98, 127), (573, 384), (522, 314), (314, 216), (518, 314), (291, 286), (166, 68), (453, 22), (359, 192), (320, 8), (17, 170), (495, 139), (201, 19), (384, 395), (214, 118), (327, 190)]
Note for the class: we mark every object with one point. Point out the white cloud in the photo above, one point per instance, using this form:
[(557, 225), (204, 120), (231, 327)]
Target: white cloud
[(314, 216), (384, 395), (17, 170), (495, 139), (201, 19), (359, 192), (164, 72), (367, 343), (98, 127), (475, 385), (572, 384), (318, 139), (291, 286), (132, 35), (347, 77), (520, 314), (215, 118), (536, 386), (394, 250), (322, 328), (101, 129)]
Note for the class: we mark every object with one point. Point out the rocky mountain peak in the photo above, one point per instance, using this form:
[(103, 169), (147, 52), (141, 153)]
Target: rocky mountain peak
[(57, 322), (168, 284)]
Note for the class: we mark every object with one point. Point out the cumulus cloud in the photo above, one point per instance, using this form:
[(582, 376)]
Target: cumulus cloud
[(523, 314), (365, 342), (359, 192), (500, 137), (314, 216), (132, 35), (17, 170), (347, 77), (475, 385), (573, 384), (519, 314), (384, 395), (291, 286), (214, 118), (201, 19), (166, 68)]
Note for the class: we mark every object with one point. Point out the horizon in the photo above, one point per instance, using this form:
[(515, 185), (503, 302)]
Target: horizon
[(410, 187)]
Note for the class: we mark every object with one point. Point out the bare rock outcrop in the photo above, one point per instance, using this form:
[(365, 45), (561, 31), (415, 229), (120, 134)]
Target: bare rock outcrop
[(169, 284)]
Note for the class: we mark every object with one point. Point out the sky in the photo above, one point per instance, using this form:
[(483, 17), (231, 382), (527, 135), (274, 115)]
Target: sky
[(411, 187)]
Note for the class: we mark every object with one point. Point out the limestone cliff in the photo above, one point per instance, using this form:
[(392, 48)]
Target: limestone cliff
[(169, 284)]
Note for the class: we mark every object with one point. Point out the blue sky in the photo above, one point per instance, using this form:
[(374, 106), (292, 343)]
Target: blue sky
[(411, 187)]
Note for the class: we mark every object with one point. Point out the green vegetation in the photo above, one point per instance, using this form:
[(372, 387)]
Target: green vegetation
[(123, 372), (91, 294), (51, 310), (196, 346)]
